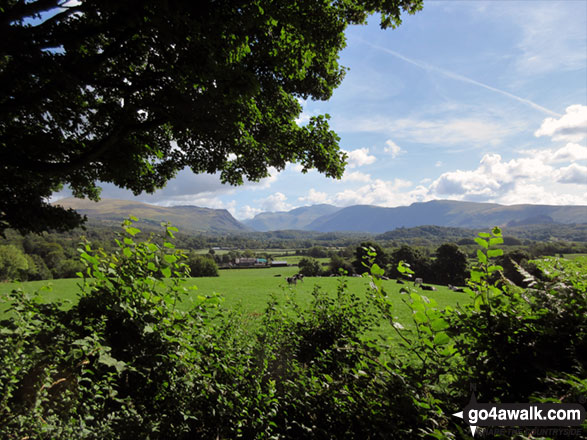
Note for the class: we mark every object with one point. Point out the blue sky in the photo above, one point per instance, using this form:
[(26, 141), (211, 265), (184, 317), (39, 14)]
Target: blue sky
[(467, 100)]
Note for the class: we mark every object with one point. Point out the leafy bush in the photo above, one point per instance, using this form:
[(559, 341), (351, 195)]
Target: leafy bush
[(309, 267), (338, 265), (449, 266), (202, 266), (13, 263), (119, 364), (512, 339)]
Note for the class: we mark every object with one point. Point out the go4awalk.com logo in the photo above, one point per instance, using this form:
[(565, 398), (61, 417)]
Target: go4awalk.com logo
[(521, 414)]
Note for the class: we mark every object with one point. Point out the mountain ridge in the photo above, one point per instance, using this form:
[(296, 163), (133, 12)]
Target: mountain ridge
[(328, 218), (377, 219), (187, 218)]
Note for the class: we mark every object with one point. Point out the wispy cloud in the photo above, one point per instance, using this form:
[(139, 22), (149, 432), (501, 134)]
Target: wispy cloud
[(392, 148), (458, 77), (469, 132)]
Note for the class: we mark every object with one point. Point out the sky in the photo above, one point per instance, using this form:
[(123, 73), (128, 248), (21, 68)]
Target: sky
[(471, 100)]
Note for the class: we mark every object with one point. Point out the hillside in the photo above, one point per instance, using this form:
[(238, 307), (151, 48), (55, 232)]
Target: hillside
[(375, 219), (186, 218), (298, 218)]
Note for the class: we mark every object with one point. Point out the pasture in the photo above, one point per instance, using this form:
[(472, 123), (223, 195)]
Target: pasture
[(249, 291)]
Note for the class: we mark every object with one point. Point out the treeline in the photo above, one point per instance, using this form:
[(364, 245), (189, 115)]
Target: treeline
[(54, 255), (447, 265)]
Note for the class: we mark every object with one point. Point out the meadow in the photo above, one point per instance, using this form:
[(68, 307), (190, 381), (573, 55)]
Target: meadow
[(249, 290)]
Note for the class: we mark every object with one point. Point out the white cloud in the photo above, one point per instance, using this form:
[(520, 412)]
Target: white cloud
[(264, 183), (571, 127), (296, 167), (392, 148), (521, 180), (356, 176), (359, 157), (569, 153), (245, 212), (315, 197), (379, 192), (537, 194), (275, 202), (573, 174)]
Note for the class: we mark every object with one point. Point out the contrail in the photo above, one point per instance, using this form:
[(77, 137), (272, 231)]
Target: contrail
[(462, 78)]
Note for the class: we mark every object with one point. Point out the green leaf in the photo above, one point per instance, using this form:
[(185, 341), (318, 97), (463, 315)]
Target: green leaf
[(482, 243), (170, 258), (492, 253), (109, 361), (441, 338), (496, 231), (132, 231), (494, 268), (475, 276), (166, 272), (127, 252), (377, 271), (439, 324), (481, 256), (420, 317), (494, 241), (484, 234)]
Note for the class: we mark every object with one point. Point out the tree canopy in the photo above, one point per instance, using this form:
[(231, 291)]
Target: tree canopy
[(131, 92)]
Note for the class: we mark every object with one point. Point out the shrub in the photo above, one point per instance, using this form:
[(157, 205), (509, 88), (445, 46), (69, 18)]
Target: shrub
[(121, 363), (449, 266), (13, 263), (202, 266), (309, 267)]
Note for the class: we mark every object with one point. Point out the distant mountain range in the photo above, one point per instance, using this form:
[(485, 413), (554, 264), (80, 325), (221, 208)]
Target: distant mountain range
[(328, 218), (375, 219), (187, 219), (298, 218)]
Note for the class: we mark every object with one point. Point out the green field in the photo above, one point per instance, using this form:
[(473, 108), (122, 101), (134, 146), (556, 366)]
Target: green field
[(250, 289)]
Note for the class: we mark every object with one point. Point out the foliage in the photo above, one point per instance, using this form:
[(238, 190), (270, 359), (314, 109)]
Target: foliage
[(541, 330), (449, 266), (202, 266), (512, 344), (131, 93), (413, 258), (116, 365), (310, 267), (338, 265), (13, 263), (362, 254)]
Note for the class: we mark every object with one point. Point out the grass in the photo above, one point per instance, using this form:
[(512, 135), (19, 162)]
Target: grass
[(250, 290)]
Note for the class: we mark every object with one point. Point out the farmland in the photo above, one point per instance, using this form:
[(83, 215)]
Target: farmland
[(249, 290)]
